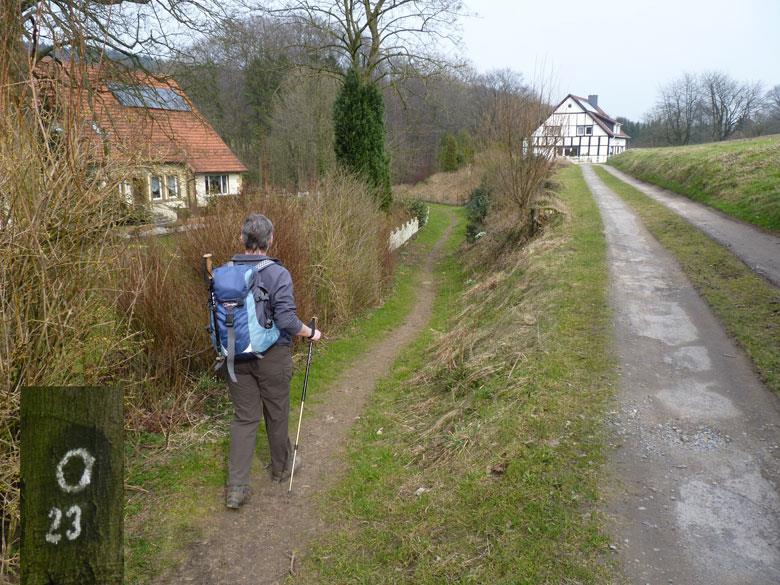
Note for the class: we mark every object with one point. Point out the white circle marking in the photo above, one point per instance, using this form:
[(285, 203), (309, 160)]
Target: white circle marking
[(86, 476)]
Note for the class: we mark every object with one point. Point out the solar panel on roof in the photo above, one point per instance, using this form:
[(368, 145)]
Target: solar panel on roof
[(146, 96)]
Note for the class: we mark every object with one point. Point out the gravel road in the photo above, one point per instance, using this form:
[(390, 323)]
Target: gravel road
[(756, 248), (694, 492)]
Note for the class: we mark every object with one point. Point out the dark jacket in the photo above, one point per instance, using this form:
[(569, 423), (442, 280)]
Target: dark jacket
[(278, 282)]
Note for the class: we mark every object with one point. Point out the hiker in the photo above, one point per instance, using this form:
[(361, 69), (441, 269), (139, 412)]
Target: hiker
[(261, 385)]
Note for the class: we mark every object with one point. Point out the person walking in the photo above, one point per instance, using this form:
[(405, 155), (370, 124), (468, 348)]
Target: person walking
[(262, 384)]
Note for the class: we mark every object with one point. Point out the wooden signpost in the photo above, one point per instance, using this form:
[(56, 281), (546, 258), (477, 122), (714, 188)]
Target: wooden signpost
[(72, 486)]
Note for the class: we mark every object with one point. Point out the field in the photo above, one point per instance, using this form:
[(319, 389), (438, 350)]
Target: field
[(740, 178), (452, 188)]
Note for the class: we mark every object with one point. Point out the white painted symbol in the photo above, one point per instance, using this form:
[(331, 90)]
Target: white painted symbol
[(73, 533), (74, 512), (55, 514), (86, 476)]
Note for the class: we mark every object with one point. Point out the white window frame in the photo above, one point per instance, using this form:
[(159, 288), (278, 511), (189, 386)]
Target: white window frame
[(159, 188), (176, 192), (224, 184), (585, 130), (126, 190)]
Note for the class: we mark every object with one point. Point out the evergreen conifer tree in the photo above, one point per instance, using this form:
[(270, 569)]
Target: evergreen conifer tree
[(359, 127)]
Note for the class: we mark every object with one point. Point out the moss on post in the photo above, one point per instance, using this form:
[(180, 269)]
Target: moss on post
[(72, 486)]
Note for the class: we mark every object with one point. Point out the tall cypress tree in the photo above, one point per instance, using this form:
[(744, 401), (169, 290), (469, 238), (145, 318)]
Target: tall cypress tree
[(358, 120)]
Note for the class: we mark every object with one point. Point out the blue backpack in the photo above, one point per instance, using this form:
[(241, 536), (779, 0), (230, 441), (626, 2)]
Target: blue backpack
[(242, 324)]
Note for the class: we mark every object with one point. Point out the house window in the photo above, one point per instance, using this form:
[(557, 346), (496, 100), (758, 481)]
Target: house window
[(155, 187), (126, 190), (217, 184), (584, 130), (571, 151), (172, 186)]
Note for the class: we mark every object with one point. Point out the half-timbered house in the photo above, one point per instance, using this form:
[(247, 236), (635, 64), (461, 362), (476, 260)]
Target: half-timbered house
[(581, 131)]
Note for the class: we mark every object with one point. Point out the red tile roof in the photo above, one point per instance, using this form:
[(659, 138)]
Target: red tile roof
[(150, 135)]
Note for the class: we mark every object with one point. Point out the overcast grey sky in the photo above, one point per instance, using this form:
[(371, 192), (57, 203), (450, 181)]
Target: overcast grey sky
[(624, 50)]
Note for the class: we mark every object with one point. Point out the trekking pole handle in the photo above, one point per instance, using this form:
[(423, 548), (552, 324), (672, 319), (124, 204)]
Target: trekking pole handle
[(313, 326), (207, 267)]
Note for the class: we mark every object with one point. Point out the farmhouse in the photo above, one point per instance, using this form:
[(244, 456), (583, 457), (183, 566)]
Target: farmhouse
[(173, 157), (581, 131)]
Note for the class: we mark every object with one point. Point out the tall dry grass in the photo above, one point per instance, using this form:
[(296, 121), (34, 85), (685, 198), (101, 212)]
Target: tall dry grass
[(80, 305), (58, 319), (333, 242)]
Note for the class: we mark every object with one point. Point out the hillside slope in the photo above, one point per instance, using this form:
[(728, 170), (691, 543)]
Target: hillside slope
[(740, 177)]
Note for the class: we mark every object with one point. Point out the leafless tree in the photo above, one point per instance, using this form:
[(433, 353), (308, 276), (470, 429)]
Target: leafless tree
[(513, 111), (420, 110), (771, 112), (773, 99), (133, 30), (376, 37), (729, 104), (679, 107), (300, 142)]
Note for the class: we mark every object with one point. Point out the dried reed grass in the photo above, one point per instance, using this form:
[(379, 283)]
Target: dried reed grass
[(58, 319), (452, 188), (333, 242)]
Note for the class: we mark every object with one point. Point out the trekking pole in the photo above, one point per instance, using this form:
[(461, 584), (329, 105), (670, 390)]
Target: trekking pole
[(313, 327)]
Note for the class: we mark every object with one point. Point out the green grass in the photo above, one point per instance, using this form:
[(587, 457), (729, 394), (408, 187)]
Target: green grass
[(738, 177), (747, 305), (496, 411), (171, 490)]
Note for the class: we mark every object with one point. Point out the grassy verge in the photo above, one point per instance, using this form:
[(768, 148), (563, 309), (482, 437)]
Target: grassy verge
[(738, 177), (486, 467), (172, 480), (746, 304)]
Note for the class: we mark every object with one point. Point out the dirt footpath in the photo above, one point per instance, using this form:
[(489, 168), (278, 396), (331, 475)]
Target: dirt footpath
[(696, 460), (756, 248), (255, 544)]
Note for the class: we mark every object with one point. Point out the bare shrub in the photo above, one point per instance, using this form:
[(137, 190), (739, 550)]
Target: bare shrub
[(515, 171), (349, 247), (58, 319), (334, 243)]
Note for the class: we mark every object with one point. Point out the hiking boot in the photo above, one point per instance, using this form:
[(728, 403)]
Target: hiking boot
[(279, 477), (236, 496)]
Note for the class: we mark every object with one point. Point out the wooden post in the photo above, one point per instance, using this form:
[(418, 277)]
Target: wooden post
[(72, 486)]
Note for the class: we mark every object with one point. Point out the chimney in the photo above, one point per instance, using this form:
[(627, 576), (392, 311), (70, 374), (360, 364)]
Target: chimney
[(593, 100)]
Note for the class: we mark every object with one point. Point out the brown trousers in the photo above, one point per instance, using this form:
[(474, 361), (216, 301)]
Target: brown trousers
[(263, 386)]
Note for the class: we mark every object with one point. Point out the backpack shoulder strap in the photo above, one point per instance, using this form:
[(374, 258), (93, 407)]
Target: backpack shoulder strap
[(264, 264)]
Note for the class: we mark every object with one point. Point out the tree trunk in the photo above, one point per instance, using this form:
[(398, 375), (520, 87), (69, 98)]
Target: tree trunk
[(72, 486)]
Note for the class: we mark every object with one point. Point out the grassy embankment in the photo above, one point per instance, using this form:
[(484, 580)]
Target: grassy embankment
[(172, 488), (486, 468), (747, 305), (738, 177)]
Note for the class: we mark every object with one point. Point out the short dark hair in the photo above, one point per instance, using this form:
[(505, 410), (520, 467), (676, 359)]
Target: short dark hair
[(257, 231)]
